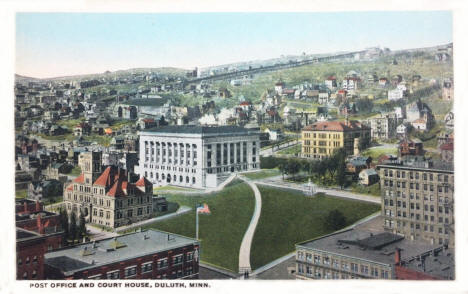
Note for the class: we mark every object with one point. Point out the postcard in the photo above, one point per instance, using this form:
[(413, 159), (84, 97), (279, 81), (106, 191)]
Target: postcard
[(230, 151)]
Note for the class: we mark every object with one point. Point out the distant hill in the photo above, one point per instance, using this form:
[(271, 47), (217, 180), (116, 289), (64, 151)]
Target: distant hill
[(170, 71), (20, 78)]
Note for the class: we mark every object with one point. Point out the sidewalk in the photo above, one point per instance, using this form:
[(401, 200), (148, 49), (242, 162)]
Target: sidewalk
[(180, 211), (244, 252), (278, 183)]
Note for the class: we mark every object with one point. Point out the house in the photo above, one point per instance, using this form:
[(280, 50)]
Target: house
[(351, 83), (446, 152), (82, 129), (395, 94), (401, 131), (449, 120), (147, 123), (279, 86), (408, 147), (323, 97), (383, 82), (382, 126), (368, 177), (447, 90), (330, 82), (420, 124)]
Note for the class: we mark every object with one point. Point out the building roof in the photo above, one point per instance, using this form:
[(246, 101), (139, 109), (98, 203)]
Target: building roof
[(113, 250), (338, 126), (202, 130), (447, 146), (379, 247), (369, 172)]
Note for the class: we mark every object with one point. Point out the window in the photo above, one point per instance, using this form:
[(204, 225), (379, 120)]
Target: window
[(95, 277), (177, 259), (35, 259), (354, 267), (146, 267), (162, 263), (113, 275), (189, 256), (130, 271), (316, 259)]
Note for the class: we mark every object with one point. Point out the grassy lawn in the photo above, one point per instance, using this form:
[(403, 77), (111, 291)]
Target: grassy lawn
[(171, 207), (21, 194), (288, 217), (68, 137), (296, 149), (101, 140), (222, 231), (69, 123), (264, 173), (373, 190), (376, 152), (172, 188)]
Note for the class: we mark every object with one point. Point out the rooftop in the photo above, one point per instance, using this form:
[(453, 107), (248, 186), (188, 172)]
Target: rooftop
[(201, 130), (379, 247), (339, 126), (116, 249)]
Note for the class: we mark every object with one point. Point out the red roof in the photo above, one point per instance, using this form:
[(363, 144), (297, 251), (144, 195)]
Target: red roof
[(331, 78), (339, 126), (148, 120), (79, 179), (245, 103), (447, 146), (117, 189), (142, 182)]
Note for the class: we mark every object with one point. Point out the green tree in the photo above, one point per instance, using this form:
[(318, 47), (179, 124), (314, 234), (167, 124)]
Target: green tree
[(65, 224), (82, 226), (335, 220), (73, 228), (292, 167)]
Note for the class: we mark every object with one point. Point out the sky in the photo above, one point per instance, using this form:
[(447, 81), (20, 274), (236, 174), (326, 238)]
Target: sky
[(59, 44)]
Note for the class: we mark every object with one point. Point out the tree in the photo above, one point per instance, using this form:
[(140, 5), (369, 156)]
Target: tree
[(73, 228), (292, 167), (282, 167), (335, 220), (65, 225), (82, 226)]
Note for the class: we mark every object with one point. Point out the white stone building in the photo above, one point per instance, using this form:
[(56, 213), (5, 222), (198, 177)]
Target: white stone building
[(197, 156), (383, 126)]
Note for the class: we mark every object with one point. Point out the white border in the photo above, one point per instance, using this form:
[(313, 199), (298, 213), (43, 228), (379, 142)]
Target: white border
[(8, 8)]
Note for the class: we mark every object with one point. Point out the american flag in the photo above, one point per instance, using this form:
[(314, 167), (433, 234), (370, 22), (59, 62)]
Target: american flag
[(203, 209)]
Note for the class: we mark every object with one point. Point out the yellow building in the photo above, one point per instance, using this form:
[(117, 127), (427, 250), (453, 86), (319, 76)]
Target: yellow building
[(320, 139)]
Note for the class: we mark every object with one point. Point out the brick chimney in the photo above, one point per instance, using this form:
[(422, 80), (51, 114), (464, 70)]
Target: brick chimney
[(25, 206), (38, 206), (40, 226), (397, 255)]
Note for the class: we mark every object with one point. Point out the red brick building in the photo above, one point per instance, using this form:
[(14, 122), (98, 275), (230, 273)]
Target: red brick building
[(30, 249), (37, 231), (141, 255)]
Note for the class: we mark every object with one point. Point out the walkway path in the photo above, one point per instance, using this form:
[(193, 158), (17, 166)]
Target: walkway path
[(244, 252), (180, 211), (200, 191), (278, 183)]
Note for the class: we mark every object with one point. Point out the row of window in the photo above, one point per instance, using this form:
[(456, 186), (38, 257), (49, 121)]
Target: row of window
[(330, 274), (325, 260), (27, 260), (416, 175), (425, 187), (147, 267)]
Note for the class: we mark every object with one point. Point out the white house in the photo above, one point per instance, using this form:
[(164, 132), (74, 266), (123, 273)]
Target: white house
[(419, 124), (395, 94), (401, 130)]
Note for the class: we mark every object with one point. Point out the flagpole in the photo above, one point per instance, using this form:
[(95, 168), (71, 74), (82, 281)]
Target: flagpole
[(196, 223)]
